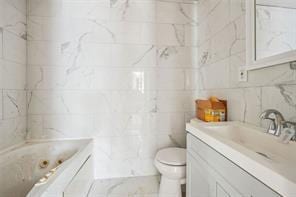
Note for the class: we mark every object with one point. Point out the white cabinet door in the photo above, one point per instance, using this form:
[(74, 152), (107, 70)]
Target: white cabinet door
[(203, 181), (231, 180)]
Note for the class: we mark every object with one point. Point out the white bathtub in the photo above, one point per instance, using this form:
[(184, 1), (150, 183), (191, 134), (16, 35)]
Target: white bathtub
[(22, 167)]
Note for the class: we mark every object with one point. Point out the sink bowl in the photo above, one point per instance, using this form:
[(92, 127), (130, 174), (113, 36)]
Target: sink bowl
[(254, 139), (251, 148)]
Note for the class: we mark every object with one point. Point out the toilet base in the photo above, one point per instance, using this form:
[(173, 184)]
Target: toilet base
[(170, 187)]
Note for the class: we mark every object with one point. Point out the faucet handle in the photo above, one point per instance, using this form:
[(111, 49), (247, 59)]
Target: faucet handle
[(276, 121), (291, 125)]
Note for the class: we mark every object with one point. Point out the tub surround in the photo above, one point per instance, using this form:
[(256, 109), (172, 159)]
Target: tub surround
[(12, 72), (122, 72)]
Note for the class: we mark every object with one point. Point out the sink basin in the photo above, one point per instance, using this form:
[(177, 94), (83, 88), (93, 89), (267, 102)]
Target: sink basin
[(257, 152)]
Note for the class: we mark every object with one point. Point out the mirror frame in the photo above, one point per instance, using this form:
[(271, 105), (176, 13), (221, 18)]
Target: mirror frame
[(252, 63)]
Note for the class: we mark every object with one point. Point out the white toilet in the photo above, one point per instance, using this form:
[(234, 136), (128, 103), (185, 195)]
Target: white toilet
[(171, 163)]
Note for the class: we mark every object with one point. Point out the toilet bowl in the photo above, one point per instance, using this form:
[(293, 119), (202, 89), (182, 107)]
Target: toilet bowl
[(171, 163)]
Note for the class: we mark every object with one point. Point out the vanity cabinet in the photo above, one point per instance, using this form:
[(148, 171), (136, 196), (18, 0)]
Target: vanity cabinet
[(210, 174)]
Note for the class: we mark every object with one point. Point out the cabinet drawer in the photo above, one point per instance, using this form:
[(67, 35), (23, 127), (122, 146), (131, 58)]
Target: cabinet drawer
[(239, 179)]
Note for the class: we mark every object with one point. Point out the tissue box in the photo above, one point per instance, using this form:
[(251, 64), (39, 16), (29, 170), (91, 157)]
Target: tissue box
[(211, 111)]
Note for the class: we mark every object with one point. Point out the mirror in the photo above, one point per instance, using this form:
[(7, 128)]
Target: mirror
[(271, 32)]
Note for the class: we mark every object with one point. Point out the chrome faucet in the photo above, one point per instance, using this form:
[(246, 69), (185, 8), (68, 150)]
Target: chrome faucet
[(277, 123), (276, 119)]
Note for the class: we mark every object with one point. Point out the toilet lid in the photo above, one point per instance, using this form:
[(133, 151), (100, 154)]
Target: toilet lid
[(172, 156)]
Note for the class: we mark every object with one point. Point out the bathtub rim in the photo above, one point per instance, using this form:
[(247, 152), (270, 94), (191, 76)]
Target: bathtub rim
[(84, 152)]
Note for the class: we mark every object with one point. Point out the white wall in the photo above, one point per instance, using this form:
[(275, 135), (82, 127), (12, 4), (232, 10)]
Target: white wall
[(221, 50), (122, 72), (12, 72)]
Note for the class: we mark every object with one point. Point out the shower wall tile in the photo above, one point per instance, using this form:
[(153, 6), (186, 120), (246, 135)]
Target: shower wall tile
[(221, 53), (12, 73), (14, 104), (122, 72), (133, 11), (14, 48), (1, 42), (175, 56), (176, 13)]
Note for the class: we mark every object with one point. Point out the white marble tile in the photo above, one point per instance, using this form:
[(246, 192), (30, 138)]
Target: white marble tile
[(238, 41), (168, 101), (204, 55), (281, 98), (67, 126), (1, 106), (14, 104), (12, 72), (133, 55), (35, 126), (137, 79), (51, 8), (191, 35), (176, 13), (13, 75), (205, 7), (1, 42), (237, 8), (219, 17), (20, 5), (216, 75), (13, 17), (139, 186), (173, 56), (191, 79), (134, 33), (125, 148), (168, 123), (122, 66), (13, 131), (62, 102), (93, 10), (170, 34), (170, 79), (124, 124), (67, 54), (14, 48), (127, 101), (69, 30), (61, 78), (134, 11), (221, 43)]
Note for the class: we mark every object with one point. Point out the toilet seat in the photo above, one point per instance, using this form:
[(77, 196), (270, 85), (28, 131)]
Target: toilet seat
[(172, 156)]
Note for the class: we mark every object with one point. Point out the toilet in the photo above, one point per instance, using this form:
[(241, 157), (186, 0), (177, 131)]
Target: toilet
[(171, 163)]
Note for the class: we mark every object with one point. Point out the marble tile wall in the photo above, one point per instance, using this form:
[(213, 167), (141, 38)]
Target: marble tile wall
[(121, 71), (12, 72), (221, 51)]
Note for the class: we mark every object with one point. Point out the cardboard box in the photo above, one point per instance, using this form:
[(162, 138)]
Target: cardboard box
[(204, 106)]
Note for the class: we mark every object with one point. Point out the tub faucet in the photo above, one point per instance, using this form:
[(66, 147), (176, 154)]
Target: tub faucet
[(276, 119)]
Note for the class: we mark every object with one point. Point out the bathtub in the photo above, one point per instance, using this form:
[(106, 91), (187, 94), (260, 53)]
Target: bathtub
[(47, 169)]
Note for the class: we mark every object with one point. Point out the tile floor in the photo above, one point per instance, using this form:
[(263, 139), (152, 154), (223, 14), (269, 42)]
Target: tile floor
[(126, 187)]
